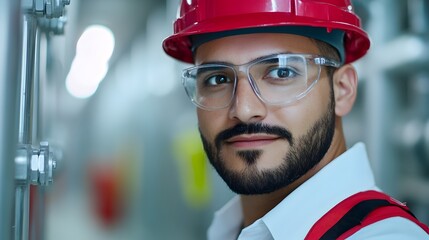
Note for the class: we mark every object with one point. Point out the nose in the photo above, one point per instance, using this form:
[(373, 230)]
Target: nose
[(246, 105)]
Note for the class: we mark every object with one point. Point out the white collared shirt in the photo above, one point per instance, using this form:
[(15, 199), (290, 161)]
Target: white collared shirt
[(293, 217)]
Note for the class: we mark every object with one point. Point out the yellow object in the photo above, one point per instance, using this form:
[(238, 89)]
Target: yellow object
[(193, 169)]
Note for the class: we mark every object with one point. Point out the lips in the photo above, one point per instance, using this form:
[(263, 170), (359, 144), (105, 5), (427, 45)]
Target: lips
[(252, 135), (251, 141)]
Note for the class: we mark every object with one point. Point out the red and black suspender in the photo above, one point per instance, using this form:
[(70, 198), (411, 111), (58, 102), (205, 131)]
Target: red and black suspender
[(358, 211)]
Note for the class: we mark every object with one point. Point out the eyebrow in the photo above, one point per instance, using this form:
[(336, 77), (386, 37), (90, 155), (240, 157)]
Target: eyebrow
[(253, 60)]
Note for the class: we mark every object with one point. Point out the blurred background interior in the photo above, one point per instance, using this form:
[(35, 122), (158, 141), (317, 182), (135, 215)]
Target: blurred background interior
[(129, 164)]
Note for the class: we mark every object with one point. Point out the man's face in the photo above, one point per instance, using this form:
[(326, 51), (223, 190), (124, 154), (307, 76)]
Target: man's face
[(257, 148)]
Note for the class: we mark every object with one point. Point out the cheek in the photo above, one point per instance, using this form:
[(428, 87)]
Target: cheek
[(298, 118), (209, 123)]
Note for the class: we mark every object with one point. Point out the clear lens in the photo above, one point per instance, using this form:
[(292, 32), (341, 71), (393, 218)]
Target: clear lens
[(279, 79), (210, 86)]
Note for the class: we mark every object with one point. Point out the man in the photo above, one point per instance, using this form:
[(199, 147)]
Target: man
[(272, 80)]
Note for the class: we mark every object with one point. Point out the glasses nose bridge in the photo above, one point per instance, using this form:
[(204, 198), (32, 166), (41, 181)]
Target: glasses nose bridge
[(243, 71)]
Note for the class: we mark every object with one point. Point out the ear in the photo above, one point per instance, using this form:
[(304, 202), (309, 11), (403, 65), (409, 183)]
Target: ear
[(345, 89)]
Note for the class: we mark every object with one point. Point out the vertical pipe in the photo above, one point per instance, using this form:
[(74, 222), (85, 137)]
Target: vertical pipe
[(27, 76), (418, 16), (25, 120), (382, 97), (10, 30), (37, 193), (36, 89), (22, 197)]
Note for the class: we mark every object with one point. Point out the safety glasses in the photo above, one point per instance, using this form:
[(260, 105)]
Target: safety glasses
[(279, 79)]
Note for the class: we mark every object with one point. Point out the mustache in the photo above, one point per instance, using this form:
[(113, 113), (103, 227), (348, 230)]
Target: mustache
[(252, 128)]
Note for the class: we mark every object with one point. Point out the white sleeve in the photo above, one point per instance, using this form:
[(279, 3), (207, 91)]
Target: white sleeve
[(395, 228)]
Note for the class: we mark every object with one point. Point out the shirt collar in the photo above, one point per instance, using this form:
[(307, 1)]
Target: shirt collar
[(296, 214), (227, 221)]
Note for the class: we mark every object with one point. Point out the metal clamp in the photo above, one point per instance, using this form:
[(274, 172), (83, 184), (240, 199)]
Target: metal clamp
[(53, 25), (35, 166), (48, 8)]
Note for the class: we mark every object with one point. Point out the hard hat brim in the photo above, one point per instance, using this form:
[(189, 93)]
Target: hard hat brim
[(179, 46)]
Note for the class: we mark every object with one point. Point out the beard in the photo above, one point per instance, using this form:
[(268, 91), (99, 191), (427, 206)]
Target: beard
[(304, 154)]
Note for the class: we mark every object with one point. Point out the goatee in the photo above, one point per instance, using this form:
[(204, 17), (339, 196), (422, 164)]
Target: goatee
[(305, 152)]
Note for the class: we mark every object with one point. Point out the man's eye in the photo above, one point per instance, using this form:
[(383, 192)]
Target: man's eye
[(217, 80), (281, 73)]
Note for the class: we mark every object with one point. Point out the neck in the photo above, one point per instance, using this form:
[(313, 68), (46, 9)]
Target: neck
[(255, 207)]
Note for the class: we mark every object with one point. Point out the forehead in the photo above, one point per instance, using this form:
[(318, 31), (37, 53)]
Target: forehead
[(241, 49)]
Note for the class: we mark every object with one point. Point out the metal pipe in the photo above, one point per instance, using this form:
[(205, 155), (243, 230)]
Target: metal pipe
[(10, 29), (28, 160), (22, 197), (27, 77), (37, 194), (25, 119), (35, 135)]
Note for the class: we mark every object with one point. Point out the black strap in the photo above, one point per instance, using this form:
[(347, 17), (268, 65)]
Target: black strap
[(354, 217)]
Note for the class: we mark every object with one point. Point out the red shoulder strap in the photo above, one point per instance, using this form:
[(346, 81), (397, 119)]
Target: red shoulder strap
[(356, 212)]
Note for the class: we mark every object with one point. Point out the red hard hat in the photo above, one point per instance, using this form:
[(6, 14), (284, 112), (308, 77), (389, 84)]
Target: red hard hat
[(208, 16)]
